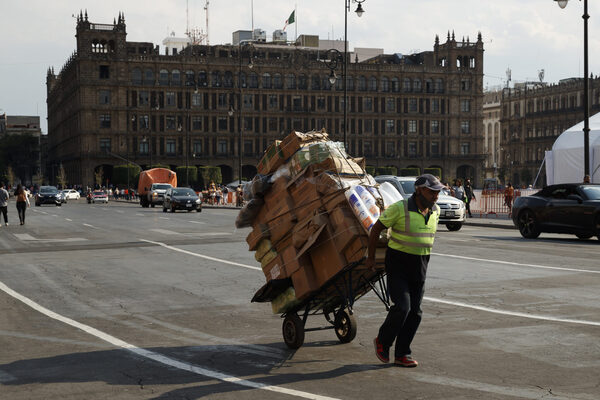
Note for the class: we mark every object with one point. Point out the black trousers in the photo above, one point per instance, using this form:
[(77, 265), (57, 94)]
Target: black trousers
[(21, 207), (4, 211), (404, 317)]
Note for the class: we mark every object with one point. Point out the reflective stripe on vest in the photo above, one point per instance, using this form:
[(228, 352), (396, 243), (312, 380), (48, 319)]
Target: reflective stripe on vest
[(410, 241)]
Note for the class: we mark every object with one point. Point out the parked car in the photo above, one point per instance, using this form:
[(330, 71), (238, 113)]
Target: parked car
[(71, 194), (98, 196), (181, 198), (48, 195), (452, 210), (572, 208)]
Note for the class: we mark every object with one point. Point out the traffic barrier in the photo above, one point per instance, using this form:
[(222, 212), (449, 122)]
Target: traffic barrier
[(493, 202)]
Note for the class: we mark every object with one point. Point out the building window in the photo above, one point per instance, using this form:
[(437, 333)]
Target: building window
[(372, 84), (412, 149), (406, 85), (222, 123), (273, 101), (222, 100), (248, 147), (170, 99), (196, 123), (395, 85), (170, 122), (465, 148), (389, 149), (435, 126), (143, 147), (136, 76), (390, 104), (272, 124), (277, 82), (362, 83), (435, 105), (297, 103), (315, 83), (297, 124), (105, 121), (412, 105), (248, 100), (302, 82), (368, 125), (144, 98), (417, 87), (197, 148), (389, 125), (465, 85), (412, 126), (144, 121), (385, 84), (176, 77), (368, 104), (163, 77), (290, 81), (465, 105), (368, 148), (253, 80), (439, 85), (320, 103), (105, 145), (215, 79), (196, 99), (222, 147), (435, 148), (248, 123), (148, 77), (465, 127), (104, 72), (170, 148), (104, 97)]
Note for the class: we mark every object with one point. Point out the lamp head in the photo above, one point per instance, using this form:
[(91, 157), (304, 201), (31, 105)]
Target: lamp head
[(562, 3), (359, 10), (332, 77)]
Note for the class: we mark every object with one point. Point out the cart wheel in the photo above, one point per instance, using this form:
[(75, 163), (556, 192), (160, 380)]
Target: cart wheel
[(293, 331), (345, 326)]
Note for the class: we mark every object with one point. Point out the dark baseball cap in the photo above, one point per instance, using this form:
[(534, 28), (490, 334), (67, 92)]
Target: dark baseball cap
[(429, 181)]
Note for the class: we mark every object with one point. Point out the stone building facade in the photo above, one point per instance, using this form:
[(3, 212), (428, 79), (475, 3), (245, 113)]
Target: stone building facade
[(533, 116), (116, 100)]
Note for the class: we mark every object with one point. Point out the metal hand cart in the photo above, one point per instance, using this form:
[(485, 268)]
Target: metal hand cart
[(336, 297)]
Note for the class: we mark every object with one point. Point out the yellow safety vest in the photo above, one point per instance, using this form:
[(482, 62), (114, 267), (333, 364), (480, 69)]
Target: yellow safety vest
[(411, 234)]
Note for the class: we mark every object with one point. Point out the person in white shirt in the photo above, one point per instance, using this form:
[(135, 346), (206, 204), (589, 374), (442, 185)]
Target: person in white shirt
[(4, 202)]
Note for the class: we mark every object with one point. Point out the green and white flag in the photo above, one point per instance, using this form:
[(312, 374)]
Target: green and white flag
[(290, 20)]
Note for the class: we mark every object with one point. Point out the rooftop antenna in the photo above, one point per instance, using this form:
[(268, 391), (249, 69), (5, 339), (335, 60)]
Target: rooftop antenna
[(541, 73), (196, 35), (206, 9), (508, 76)]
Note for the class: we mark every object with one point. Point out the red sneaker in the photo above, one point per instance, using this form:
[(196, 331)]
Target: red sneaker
[(406, 361), (382, 353)]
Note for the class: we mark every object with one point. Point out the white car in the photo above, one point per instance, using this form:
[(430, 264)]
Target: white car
[(71, 194), (452, 210)]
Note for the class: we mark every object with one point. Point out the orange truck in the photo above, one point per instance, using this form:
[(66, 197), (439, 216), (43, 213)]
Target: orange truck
[(153, 184)]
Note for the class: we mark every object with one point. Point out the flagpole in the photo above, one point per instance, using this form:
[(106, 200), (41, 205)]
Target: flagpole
[(296, 21)]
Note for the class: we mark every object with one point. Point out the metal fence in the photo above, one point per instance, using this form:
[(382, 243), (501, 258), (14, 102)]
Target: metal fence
[(493, 203)]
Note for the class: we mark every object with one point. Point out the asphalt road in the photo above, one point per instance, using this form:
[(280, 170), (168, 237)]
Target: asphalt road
[(121, 302)]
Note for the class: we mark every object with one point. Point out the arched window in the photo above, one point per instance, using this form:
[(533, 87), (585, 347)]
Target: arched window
[(252, 80), (458, 62), (202, 79), (429, 86), (362, 83), (339, 84), (228, 80), (326, 85), (395, 85), (385, 84), (350, 83), (266, 81), (372, 84), (406, 85), (290, 81), (175, 77), (277, 81), (215, 79), (163, 77), (302, 82), (190, 78), (315, 82), (243, 81), (417, 85), (148, 77), (136, 76)]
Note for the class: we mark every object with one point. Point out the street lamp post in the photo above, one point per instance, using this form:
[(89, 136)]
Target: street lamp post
[(230, 112), (586, 107)]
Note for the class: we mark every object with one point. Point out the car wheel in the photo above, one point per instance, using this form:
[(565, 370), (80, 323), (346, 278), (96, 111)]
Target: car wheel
[(152, 205), (37, 204), (199, 209), (164, 209), (454, 226), (583, 237), (527, 225), (597, 225)]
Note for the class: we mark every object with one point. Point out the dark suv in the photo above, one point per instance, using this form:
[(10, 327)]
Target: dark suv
[(181, 198), (48, 195)]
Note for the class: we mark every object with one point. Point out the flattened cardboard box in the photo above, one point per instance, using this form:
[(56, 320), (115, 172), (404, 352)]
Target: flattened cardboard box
[(272, 159), (304, 279), (280, 227), (260, 231), (274, 269), (326, 259)]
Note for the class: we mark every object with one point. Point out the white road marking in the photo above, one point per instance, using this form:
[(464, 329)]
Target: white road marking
[(120, 211), (432, 299), (165, 231), (139, 215), (164, 217), (91, 226), (54, 215), (156, 356), (69, 219), (197, 222), (201, 255), (28, 238), (517, 264)]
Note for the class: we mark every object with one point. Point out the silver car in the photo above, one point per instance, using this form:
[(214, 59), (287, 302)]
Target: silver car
[(452, 210)]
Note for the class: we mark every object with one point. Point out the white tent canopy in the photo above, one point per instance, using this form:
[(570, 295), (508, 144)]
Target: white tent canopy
[(564, 164)]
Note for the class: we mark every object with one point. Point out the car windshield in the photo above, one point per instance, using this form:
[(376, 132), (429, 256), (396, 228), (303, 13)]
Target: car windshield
[(183, 192), (99, 194), (591, 192), (408, 186), (162, 186), (48, 189)]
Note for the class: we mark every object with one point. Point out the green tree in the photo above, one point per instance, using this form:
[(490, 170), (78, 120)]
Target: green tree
[(192, 175), (387, 171), (120, 174), (409, 172), (434, 171)]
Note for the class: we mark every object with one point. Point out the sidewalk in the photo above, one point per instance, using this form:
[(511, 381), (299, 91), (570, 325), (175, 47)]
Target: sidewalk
[(490, 221)]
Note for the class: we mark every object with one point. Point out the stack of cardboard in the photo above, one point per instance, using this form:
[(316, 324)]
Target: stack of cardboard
[(305, 232)]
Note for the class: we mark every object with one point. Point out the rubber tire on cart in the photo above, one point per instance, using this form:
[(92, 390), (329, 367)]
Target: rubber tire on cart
[(454, 226), (293, 331), (345, 326)]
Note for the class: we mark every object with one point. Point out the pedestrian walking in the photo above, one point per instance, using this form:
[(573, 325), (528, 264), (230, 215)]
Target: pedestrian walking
[(469, 196), (509, 193), (413, 223), (22, 202), (4, 203)]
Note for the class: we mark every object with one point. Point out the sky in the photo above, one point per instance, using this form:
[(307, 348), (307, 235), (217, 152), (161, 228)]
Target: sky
[(523, 35)]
